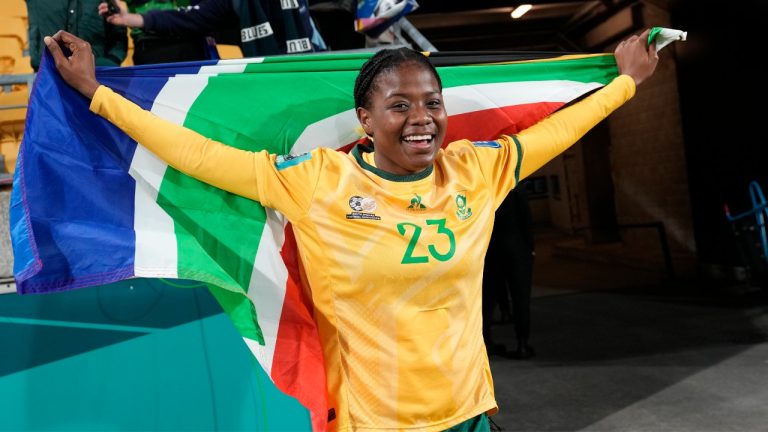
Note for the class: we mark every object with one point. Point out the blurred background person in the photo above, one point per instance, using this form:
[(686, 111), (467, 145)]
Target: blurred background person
[(265, 27), (508, 272), (81, 18), (150, 47)]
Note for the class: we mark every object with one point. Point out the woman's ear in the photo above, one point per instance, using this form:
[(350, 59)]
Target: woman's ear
[(364, 117)]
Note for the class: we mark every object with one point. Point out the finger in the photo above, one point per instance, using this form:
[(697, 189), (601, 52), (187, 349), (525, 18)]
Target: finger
[(57, 36), (621, 46), (651, 49), (644, 35), (53, 47), (103, 9), (66, 37), (652, 53)]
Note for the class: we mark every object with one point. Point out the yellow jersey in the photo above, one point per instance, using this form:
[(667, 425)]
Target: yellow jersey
[(394, 263)]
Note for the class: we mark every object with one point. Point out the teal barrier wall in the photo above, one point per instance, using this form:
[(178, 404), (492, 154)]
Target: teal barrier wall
[(137, 355)]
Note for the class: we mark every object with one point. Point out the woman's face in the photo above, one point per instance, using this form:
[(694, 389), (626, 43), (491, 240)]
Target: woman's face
[(406, 118)]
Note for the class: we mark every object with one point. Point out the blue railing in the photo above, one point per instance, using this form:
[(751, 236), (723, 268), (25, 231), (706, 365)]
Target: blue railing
[(759, 211)]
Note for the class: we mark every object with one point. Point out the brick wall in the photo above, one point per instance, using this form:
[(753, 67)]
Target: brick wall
[(648, 158)]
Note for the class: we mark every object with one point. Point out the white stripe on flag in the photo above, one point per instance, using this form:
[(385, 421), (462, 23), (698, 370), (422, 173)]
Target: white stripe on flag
[(229, 66), (331, 132), (156, 251), (342, 128), (156, 254), (479, 97), (267, 287)]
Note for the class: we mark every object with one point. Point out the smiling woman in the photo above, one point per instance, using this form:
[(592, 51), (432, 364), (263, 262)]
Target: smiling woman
[(392, 237), (402, 109)]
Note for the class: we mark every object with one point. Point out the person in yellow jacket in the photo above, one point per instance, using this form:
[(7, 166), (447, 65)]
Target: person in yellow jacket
[(391, 236)]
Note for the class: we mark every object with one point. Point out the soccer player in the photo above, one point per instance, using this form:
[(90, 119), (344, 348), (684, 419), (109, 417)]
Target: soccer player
[(391, 236)]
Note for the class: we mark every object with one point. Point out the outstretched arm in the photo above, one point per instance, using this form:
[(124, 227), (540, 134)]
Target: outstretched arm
[(222, 166), (544, 141)]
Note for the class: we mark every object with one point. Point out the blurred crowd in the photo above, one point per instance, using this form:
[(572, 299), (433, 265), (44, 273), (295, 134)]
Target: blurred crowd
[(139, 32), (163, 31)]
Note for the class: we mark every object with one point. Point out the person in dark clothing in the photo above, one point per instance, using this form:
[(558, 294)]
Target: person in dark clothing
[(108, 42), (267, 27), (149, 47), (509, 269)]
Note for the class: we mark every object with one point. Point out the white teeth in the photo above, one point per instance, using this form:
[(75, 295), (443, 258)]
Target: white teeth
[(418, 138)]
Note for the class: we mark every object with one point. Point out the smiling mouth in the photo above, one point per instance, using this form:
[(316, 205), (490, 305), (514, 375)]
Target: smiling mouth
[(419, 141)]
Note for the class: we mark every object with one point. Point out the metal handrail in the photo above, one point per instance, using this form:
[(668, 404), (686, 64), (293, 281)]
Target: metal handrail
[(10, 79)]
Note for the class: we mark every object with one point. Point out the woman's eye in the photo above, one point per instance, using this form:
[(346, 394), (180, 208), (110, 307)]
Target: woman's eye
[(400, 106), (434, 103)]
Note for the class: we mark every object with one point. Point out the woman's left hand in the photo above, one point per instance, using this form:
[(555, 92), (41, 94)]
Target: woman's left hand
[(79, 69), (636, 58)]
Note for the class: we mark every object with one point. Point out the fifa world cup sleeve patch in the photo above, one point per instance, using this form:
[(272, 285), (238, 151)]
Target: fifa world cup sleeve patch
[(286, 161), (488, 144)]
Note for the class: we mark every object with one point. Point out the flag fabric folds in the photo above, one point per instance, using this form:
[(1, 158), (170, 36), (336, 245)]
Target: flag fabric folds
[(90, 206)]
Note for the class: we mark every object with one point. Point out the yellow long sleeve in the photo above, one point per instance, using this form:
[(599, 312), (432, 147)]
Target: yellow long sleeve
[(210, 161), (553, 135)]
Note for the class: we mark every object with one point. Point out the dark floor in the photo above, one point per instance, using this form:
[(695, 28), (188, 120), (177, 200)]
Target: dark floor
[(619, 349)]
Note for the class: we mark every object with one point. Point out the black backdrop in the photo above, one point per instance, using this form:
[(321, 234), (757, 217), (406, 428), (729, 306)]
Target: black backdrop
[(722, 96)]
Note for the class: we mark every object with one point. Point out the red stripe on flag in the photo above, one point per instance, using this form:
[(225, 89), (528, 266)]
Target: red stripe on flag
[(298, 368), (491, 123)]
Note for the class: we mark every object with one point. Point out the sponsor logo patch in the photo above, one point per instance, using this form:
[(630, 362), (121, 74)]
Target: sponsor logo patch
[(362, 208)]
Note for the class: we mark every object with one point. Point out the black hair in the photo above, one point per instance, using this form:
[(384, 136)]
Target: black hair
[(384, 61)]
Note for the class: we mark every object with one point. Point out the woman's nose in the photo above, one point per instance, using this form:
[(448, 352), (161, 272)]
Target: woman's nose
[(420, 115)]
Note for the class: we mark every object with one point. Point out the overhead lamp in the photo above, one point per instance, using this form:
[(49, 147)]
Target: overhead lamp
[(520, 11)]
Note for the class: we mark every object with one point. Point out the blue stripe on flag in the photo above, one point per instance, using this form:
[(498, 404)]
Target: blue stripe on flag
[(142, 83), (79, 163), (23, 256)]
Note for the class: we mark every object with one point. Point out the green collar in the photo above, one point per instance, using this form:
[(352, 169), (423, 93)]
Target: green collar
[(383, 174)]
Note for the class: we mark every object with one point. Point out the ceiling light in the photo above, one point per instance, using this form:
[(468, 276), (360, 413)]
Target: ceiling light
[(520, 10)]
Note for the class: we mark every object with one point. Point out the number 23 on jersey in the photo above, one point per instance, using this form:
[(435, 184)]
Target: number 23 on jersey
[(413, 231)]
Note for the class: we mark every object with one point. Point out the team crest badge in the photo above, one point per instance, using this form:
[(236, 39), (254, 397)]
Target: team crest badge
[(463, 211)]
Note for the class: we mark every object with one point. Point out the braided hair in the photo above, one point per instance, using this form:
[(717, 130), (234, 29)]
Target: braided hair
[(385, 61)]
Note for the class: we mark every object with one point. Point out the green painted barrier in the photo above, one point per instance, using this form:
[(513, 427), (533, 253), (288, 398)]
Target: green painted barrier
[(138, 355)]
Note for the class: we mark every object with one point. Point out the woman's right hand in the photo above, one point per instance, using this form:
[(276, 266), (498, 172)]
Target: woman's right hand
[(79, 69), (122, 18)]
